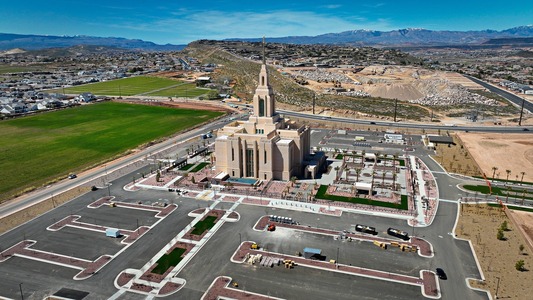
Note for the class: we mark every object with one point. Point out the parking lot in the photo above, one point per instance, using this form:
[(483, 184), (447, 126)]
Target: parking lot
[(84, 241)]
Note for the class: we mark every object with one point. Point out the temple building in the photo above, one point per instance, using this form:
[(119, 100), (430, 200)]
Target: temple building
[(267, 146)]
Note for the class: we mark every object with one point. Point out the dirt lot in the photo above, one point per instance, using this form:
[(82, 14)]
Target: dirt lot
[(457, 158), (181, 103), (479, 223), (32, 212), (505, 151)]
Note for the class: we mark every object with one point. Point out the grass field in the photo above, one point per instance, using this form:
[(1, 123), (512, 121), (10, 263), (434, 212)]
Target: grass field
[(204, 225), (199, 167), (41, 148), (153, 86), (169, 261), (16, 69)]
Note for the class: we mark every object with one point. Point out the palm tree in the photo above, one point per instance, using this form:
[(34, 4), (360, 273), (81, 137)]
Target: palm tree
[(383, 178), (357, 172), (293, 180), (508, 173), (346, 169), (337, 168), (394, 181), (363, 157), (372, 184), (494, 169), (353, 157), (522, 179)]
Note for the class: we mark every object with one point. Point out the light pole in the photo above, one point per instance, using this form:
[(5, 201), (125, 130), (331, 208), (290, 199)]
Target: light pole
[(240, 239), (21, 294), (108, 190), (337, 261), (105, 176)]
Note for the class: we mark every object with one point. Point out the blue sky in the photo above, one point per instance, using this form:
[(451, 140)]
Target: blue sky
[(180, 22)]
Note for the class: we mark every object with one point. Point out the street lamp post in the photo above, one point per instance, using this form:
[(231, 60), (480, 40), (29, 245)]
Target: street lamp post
[(337, 261), (108, 190), (240, 238), (21, 294)]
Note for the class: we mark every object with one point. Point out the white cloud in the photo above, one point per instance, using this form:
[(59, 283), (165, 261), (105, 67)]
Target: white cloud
[(331, 6), (194, 25)]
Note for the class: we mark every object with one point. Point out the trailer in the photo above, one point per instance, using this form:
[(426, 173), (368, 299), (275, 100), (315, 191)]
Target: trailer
[(398, 233), (312, 253), (365, 229), (112, 232)]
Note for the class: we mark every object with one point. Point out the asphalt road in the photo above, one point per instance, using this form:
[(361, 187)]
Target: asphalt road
[(507, 95), (394, 125)]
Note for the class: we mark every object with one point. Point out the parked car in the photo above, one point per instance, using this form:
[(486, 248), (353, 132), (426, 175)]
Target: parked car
[(441, 274)]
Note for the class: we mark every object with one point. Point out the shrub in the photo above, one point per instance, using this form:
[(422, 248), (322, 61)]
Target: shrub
[(520, 265), (504, 226), (500, 235)]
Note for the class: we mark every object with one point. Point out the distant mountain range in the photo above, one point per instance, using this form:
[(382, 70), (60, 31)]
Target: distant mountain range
[(37, 42), (399, 38), (405, 37)]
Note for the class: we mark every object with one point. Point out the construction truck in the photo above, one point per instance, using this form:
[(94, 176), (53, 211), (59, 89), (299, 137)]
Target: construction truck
[(271, 227), (254, 246)]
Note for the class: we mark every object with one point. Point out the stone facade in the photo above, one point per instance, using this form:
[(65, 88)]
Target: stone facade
[(266, 146)]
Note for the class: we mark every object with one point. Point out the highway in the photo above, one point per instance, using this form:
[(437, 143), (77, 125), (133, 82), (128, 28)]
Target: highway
[(505, 94), (495, 129)]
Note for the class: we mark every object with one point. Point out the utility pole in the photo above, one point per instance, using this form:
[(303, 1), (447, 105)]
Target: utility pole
[(21, 294), (521, 112), (395, 108), (314, 100)]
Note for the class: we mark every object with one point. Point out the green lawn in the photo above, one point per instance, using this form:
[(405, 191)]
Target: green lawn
[(199, 167), (500, 191), (204, 225), (169, 261), (186, 167), (134, 86), (16, 69), (41, 148), (321, 194)]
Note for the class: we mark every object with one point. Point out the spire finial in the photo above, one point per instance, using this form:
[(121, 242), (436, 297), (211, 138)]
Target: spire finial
[(264, 58)]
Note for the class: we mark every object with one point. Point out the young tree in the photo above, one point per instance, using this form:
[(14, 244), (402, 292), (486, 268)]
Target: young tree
[(520, 265), (521, 248)]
